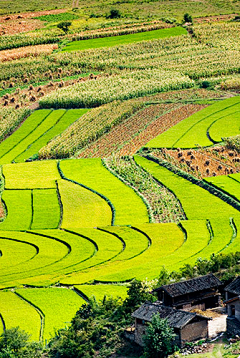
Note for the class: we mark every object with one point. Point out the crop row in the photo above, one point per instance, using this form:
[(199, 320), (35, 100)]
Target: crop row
[(119, 87), (89, 128), (35, 133), (158, 126), (192, 131), (28, 51), (124, 29), (10, 120), (122, 133), (162, 204), (185, 55)]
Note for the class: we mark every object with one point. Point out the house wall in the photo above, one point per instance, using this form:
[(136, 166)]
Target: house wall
[(189, 307), (236, 305), (140, 330), (194, 331)]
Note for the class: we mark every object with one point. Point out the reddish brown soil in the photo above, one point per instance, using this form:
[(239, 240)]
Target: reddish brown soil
[(2, 212), (17, 23), (159, 126), (203, 162), (133, 133)]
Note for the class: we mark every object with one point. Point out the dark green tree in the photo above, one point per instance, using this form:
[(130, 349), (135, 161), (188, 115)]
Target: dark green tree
[(13, 340), (114, 14), (137, 294), (64, 25), (187, 18), (159, 338)]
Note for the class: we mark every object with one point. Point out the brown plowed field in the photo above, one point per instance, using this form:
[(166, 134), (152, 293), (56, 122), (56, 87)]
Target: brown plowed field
[(132, 134)]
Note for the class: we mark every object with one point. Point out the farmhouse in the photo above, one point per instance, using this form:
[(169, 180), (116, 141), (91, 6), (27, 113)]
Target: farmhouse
[(201, 293), (232, 294), (187, 326)]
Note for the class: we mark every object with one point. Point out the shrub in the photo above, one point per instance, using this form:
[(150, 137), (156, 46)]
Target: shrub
[(114, 14), (159, 338), (64, 25), (205, 84), (187, 18)]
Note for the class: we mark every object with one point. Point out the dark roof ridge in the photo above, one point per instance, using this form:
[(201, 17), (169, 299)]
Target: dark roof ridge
[(192, 285), (177, 318), (234, 286)]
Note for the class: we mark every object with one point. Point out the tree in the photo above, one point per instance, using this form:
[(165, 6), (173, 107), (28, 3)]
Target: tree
[(64, 25), (114, 14), (159, 338), (13, 340), (164, 277), (14, 344), (187, 18), (137, 294)]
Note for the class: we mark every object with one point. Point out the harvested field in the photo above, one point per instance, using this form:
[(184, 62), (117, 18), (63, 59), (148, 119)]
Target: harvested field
[(23, 97), (203, 162), (159, 126), (128, 137), (17, 23), (28, 51)]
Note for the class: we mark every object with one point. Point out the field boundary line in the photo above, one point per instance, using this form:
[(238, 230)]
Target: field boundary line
[(39, 311), (32, 207), (26, 135), (208, 129), (3, 322), (148, 206), (60, 205), (201, 120), (201, 183), (81, 294), (118, 237), (231, 196), (133, 228), (234, 234), (42, 135), (196, 253), (90, 189), (95, 244), (22, 241)]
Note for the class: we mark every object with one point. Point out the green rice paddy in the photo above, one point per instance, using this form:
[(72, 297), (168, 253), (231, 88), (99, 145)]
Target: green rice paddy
[(123, 39)]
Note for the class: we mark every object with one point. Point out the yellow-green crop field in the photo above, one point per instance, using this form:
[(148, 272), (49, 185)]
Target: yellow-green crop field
[(72, 229)]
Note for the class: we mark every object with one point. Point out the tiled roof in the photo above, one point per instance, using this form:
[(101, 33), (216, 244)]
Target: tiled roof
[(194, 285), (176, 318), (234, 286)]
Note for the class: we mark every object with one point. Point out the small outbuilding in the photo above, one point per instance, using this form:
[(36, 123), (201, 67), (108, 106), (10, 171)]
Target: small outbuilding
[(187, 326), (198, 293)]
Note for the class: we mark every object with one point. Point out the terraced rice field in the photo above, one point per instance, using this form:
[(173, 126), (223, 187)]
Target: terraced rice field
[(73, 225), (198, 129), (35, 133)]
